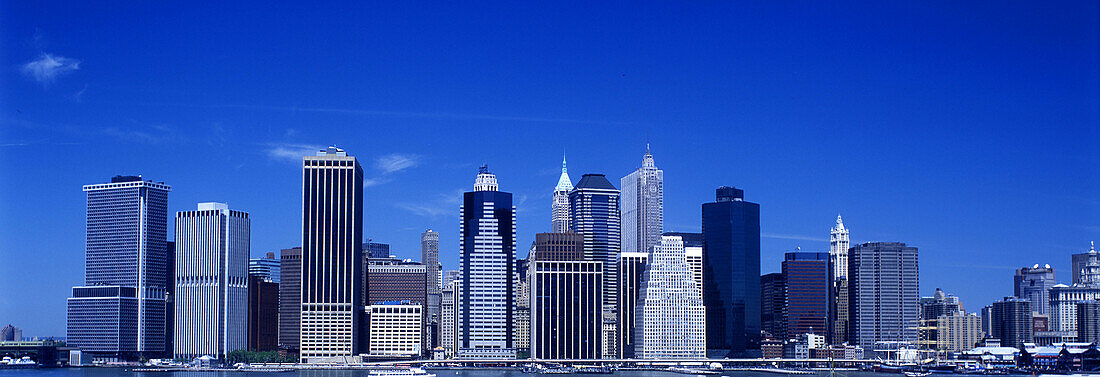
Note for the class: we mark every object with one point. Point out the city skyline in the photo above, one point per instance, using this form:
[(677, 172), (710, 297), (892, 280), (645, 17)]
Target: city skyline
[(950, 122)]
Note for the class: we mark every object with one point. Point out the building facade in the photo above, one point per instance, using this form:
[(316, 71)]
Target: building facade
[(1088, 321), (429, 254), (806, 275), (773, 305), (263, 314), (396, 329), (838, 249), (212, 247), (731, 274), (559, 210), (566, 310), (376, 249), (594, 213), (267, 267), (127, 262), (883, 293), (643, 206), (631, 269), (487, 265), (290, 298), (332, 251), (932, 309), (1034, 284), (448, 321), (958, 332), (558, 246), (1011, 321), (670, 318)]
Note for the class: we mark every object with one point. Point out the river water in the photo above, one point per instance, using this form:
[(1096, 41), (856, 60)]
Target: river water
[(120, 372)]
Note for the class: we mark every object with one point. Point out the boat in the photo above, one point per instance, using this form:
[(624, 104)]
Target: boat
[(917, 374), (399, 372), (691, 371)]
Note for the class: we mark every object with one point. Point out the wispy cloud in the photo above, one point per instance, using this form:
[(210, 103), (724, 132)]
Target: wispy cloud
[(445, 204), (48, 68), (404, 114), (80, 94), (792, 237), (290, 151), (145, 134), (396, 162), (368, 182)]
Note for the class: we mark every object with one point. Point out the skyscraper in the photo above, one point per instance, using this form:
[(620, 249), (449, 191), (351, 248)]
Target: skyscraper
[(1088, 321), (212, 246), (376, 249), (1063, 298), (332, 251), (807, 300), (290, 298), (560, 209), (1034, 284), (566, 308), (931, 309), (486, 296), (773, 304), (643, 206), (263, 314), (838, 249), (670, 316), (631, 269), (1011, 321), (594, 211), (121, 311), (429, 254), (448, 321), (883, 296), (731, 274)]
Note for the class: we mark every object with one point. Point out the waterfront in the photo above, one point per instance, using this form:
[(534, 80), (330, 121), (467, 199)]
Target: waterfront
[(128, 372)]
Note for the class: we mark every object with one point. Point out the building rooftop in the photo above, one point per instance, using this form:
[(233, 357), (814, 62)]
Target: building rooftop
[(595, 181)]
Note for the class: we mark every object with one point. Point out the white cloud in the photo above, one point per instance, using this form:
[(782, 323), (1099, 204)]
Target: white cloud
[(368, 182), (396, 162), (290, 151), (49, 67), (443, 205)]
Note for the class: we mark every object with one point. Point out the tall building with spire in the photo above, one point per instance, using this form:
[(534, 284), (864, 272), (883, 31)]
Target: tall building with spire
[(486, 286), (643, 193), (1064, 298), (560, 208), (838, 249)]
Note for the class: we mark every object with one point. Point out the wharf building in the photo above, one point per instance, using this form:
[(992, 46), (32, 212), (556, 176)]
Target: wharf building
[(669, 322), (565, 299), (486, 292), (731, 274), (290, 298), (874, 268), (121, 311), (332, 251), (211, 302), (806, 277), (594, 213)]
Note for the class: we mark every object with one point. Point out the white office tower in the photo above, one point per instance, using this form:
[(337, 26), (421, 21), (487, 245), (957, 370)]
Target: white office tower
[(448, 320), (332, 254), (211, 300), (643, 193), (670, 321), (487, 264), (560, 208), (838, 249)]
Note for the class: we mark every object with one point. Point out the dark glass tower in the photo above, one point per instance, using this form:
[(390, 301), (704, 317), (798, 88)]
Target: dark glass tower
[(731, 275), (594, 213)]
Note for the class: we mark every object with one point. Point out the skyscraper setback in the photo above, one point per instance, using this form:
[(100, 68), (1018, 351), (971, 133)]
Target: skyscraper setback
[(332, 251), (594, 211), (670, 316), (487, 265), (212, 247), (643, 192), (121, 311)]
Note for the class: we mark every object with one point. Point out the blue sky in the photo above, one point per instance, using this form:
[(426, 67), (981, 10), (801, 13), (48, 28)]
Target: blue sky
[(967, 129)]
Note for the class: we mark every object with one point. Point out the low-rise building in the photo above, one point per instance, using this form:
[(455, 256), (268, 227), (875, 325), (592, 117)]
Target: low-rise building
[(395, 330)]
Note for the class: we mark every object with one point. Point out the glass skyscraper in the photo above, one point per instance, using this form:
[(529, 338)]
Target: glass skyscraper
[(333, 290), (807, 292), (594, 211), (121, 312), (883, 296), (487, 264), (731, 274)]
